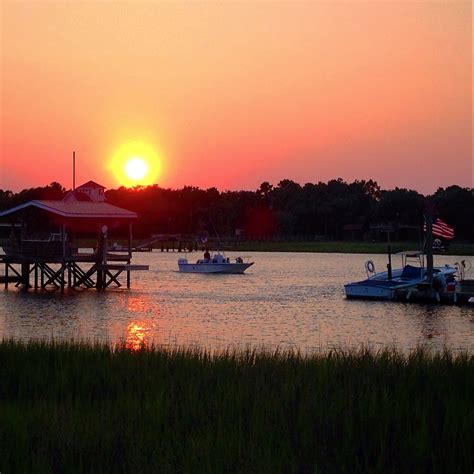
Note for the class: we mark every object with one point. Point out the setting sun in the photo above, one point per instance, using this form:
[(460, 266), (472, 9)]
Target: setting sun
[(136, 168), (136, 163)]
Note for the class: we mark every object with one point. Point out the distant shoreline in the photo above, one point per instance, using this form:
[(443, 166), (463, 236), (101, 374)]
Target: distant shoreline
[(345, 247), (461, 249), (356, 247)]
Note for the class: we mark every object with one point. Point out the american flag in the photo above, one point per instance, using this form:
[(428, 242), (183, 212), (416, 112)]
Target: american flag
[(441, 229)]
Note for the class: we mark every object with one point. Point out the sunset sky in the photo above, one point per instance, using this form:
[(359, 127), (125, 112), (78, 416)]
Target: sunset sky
[(231, 94)]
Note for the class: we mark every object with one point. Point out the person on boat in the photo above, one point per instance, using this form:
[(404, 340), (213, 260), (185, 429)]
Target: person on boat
[(207, 255)]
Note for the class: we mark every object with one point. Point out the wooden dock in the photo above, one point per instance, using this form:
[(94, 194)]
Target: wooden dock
[(164, 242), (73, 272), (33, 261)]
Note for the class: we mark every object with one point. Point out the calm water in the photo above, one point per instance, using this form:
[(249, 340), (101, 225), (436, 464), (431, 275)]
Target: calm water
[(285, 299)]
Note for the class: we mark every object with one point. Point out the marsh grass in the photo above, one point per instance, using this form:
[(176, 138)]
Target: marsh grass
[(78, 407)]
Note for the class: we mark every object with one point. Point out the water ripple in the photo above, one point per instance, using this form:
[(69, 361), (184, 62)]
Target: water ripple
[(289, 300)]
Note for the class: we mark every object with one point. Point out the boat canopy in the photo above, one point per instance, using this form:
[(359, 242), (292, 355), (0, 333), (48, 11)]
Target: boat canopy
[(410, 253)]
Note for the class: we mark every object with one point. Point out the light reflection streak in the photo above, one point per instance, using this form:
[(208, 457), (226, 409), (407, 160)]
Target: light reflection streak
[(137, 335)]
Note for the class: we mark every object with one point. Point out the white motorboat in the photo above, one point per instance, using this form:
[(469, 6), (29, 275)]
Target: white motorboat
[(216, 263), (383, 286)]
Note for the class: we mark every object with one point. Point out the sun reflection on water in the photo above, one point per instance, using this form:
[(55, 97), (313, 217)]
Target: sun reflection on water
[(137, 335)]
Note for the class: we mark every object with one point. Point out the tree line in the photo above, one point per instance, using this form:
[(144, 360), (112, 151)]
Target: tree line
[(333, 210)]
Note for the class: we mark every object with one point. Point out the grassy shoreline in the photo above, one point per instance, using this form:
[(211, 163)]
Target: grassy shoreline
[(344, 247), (77, 407), (466, 249)]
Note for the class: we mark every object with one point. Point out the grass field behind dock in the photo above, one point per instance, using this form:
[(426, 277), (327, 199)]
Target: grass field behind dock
[(77, 407), (466, 249), (341, 246)]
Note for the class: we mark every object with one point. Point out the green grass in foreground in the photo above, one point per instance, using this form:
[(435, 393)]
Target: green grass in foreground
[(68, 407)]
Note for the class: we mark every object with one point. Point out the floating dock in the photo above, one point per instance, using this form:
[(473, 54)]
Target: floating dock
[(462, 293)]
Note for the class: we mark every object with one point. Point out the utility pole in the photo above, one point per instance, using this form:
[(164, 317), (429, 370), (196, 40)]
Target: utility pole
[(73, 172)]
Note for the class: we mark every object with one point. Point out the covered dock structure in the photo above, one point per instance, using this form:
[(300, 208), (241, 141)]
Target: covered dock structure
[(43, 252)]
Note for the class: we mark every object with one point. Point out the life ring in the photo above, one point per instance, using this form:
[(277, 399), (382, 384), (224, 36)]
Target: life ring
[(369, 266)]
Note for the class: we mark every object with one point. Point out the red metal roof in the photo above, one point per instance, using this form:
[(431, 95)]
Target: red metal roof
[(77, 209), (91, 184)]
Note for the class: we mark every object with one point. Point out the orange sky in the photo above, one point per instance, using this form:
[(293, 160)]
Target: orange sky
[(233, 94)]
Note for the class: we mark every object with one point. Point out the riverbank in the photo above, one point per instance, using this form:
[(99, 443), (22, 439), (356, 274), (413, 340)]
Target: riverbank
[(343, 247), (87, 408)]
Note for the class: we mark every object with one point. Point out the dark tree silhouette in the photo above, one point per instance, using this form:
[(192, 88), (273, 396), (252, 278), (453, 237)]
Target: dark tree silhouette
[(287, 210)]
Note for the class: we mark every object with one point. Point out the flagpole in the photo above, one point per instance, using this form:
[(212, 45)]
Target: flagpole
[(389, 250), (429, 241)]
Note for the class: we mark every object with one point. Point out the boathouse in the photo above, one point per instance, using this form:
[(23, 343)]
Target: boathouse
[(44, 242)]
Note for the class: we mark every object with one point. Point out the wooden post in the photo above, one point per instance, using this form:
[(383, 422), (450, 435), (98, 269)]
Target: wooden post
[(61, 275), (101, 257), (25, 274), (36, 276), (63, 241), (130, 236), (100, 250), (104, 256), (6, 276)]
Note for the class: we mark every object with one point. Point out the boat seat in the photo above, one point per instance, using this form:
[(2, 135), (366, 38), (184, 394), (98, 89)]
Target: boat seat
[(410, 273)]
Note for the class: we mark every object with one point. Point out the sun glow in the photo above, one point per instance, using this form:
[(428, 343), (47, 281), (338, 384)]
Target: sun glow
[(136, 163), (136, 168)]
